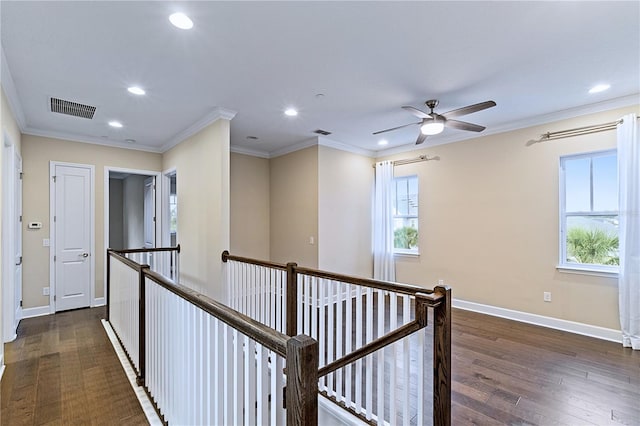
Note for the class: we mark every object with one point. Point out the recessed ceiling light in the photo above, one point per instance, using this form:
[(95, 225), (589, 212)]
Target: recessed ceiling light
[(136, 90), (599, 88), (291, 112), (115, 124), (181, 21), (383, 142)]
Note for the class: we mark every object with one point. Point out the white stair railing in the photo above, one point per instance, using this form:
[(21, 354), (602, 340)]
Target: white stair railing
[(203, 362), (124, 306), (392, 384)]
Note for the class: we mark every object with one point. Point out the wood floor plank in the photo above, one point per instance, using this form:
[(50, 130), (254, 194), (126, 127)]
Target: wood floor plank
[(62, 370)]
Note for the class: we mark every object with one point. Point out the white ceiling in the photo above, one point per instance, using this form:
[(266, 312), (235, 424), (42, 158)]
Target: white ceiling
[(257, 58)]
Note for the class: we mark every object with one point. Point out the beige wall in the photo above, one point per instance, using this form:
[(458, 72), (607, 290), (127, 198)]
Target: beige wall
[(294, 207), (249, 206), (202, 174), (345, 187), (37, 152), (489, 224)]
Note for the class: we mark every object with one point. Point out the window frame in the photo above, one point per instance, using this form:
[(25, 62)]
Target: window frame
[(403, 251), (563, 265)]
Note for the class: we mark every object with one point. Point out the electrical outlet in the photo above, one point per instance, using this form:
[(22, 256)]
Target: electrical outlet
[(546, 296), (45, 291)]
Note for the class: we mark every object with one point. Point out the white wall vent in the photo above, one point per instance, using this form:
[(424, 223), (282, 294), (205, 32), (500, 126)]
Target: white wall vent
[(72, 108)]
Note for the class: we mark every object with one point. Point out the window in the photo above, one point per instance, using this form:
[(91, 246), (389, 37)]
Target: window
[(405, 215), (589, 211)]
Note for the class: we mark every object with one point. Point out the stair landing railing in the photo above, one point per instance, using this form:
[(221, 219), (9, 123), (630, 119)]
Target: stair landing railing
[(374, 336), (202, 362)]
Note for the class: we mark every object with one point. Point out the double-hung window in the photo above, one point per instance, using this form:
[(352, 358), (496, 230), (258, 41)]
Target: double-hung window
[(405, 215), (589, 211)]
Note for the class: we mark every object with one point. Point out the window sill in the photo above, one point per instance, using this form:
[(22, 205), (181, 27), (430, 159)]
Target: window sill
[(406, 254), (585, 270)]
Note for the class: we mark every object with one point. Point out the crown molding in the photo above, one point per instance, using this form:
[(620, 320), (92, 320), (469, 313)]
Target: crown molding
[(216, 114), (293, 148), (10, 91), (621, 102), (344, 147), (90, 140), (248, 151)]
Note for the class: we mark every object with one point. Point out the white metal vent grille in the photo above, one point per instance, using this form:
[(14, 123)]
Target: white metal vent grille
[(72, 108)]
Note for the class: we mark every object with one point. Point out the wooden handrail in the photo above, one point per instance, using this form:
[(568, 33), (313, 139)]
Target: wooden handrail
[(130, 263), (147, 250), (366, 282), (266, 336), (379, 343), (226, 257), (422, 301), (409, 289)]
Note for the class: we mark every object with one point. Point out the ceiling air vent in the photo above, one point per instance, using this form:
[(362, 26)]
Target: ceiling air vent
[(322, 132), (72, 108)]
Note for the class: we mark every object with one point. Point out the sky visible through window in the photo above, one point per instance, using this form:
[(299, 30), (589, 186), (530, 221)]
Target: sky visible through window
[(605, 184)]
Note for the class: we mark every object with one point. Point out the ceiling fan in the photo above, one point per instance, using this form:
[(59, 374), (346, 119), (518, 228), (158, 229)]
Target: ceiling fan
[(433, 123)]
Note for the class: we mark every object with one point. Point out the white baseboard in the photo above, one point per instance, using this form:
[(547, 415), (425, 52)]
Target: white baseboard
[(99, 301), (35, 312), (330, 414), (549, 322)]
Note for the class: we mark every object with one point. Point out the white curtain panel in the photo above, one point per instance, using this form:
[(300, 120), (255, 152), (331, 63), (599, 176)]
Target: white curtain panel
[(629, 194), (384, 267)]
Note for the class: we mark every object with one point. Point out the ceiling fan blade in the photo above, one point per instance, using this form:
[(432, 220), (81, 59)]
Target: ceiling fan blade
[(463, 125), (469, 109), (395, 128), (416, 112), (421, 138)]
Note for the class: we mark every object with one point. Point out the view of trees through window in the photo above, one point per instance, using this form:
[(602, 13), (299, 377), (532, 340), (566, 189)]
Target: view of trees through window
[(405, 214), (591, 209)]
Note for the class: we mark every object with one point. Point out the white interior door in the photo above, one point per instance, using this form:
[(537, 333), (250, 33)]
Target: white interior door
[(150, 212), (18, 241), (72, 237)]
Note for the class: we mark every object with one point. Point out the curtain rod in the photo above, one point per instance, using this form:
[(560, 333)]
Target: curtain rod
[(576, 132), (412, 160)]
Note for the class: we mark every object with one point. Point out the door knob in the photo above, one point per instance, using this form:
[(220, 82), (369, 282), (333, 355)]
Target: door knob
[(85, 255)]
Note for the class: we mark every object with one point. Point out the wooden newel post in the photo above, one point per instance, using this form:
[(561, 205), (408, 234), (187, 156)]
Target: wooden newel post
[(141, 328), (292, 299), (302, 381), (442, 358)]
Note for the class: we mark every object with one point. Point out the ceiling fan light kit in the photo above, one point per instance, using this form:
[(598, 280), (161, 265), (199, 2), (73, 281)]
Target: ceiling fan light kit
[(433, 123), (432, 127)]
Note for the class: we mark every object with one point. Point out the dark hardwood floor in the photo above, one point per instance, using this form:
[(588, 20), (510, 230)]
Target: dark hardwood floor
[(62, 370), (505, 372)]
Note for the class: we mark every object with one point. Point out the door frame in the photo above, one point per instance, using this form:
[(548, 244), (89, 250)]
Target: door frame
[(8, 225), (159, 215), (52, 228), (165, 235)]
